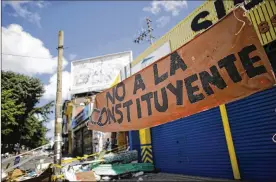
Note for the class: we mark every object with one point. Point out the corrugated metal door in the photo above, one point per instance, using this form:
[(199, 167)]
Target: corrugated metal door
[(253, 123), (193, 145)]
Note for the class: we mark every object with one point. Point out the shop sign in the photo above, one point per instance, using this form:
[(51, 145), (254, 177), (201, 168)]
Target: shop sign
[(81, 116), (260, 12)]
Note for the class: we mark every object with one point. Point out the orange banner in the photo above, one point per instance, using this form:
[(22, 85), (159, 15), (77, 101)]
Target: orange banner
[(225, 63)]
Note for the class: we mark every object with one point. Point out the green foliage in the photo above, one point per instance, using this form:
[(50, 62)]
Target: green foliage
[(9, 111), (19, 116)]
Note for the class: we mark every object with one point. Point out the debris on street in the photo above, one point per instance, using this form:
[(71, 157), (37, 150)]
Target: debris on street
[(105, 166), (122, 157), (85, 176), (118, 169)]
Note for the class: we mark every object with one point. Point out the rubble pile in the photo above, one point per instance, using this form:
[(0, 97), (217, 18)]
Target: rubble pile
[(102, 167), (122, 157), (112, 166)]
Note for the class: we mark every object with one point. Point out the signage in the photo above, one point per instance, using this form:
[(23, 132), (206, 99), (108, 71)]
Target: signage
[(223, 64), (98, 73), (151, 58), (156, 55), (260, 12), (81, 116)]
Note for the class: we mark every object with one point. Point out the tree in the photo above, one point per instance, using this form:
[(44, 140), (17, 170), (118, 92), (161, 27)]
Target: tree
[(19, 116), (9, 111)]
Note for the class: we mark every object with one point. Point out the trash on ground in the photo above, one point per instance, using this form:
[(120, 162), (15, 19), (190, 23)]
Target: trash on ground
[(45, 176), (118, 169), (4, 176), (39, 174), (138, 174), (69, 173), (41, 167), (16, 173), (106, 178), (123, 157), (97, 177), (85, 176)]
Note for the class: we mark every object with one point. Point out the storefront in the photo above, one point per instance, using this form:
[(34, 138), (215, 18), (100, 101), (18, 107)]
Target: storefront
[(197, 145), (82, 137), (87, 141)]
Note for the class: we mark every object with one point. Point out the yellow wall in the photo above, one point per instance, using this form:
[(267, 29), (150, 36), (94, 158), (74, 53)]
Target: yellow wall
[(68, 113), (182, 32)]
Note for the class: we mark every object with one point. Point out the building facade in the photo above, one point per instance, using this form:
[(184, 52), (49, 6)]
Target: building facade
[(232, 141)]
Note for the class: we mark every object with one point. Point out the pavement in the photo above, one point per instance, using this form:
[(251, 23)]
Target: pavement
[(145, 177), (173, 177)]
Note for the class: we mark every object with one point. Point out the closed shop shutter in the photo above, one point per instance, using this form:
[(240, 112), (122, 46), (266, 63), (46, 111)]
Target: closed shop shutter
[(194, 145), (78, 141), (87, 141), (253, 123)]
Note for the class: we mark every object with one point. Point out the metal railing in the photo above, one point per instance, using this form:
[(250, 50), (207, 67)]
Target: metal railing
[(10, 163)]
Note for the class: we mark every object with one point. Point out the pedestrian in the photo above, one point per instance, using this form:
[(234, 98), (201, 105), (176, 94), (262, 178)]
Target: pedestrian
[(17, 148), (107, 143)]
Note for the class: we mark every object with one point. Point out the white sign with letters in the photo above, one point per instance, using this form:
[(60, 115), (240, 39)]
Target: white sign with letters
[(98, 73), (162, 51)]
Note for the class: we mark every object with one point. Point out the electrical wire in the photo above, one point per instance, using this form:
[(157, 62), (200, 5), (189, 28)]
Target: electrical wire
[(25, 56)]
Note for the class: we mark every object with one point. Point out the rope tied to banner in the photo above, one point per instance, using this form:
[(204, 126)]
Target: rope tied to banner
[(240, 5)]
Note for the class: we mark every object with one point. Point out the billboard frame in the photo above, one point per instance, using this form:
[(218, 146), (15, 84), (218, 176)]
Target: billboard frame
[(129, 52)]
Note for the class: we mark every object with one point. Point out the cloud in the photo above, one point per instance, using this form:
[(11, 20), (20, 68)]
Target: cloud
[(72, 56), (169, 6), (17, 43), (39, 117), (21, 10), (51, 126), (51, 87), (163, 21)]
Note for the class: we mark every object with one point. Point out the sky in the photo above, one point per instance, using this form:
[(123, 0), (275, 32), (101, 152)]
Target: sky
[(91, 28)]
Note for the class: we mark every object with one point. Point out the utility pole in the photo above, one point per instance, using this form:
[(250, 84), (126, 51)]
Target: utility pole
[(145, 34), (58, 109)]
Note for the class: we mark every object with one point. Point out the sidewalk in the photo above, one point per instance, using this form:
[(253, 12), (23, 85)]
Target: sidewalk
[(173, 177)]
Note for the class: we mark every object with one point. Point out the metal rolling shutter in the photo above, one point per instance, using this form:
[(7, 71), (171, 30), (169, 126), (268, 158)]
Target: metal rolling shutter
[(253, 123), (193, 145)]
